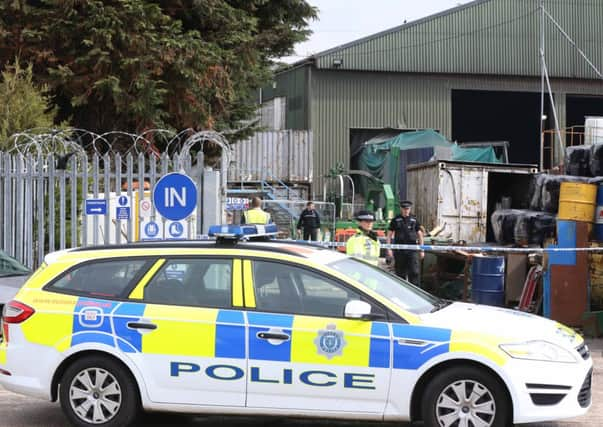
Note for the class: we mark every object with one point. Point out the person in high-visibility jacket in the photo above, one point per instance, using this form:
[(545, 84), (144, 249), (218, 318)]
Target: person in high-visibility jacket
[(255, 214), (364, 244)]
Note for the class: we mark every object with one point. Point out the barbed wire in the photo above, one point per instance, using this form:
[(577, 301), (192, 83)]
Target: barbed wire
[(63, 143), (43, 141)]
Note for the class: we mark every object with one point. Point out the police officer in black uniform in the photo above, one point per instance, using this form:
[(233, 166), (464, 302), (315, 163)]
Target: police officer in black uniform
[(405, 229), (309, 221)]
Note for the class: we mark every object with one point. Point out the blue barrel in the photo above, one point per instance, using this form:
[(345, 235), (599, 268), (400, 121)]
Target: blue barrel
[(488, 280), (598, 231)]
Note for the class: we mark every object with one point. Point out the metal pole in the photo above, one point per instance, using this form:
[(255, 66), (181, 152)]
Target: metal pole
[(553, 109), (573, 43), (541, 85)]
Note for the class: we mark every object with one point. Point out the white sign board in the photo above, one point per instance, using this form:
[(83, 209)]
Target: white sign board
[(145, 208), (151, 230), (175, 230)]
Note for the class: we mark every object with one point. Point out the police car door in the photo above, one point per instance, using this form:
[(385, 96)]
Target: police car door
[(303, 354), (193, 351)]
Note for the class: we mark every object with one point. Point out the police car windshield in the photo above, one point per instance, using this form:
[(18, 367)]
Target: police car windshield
[(402, 293)]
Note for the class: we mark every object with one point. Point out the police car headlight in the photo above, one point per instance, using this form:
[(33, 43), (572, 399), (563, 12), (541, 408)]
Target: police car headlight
[(539, 350)]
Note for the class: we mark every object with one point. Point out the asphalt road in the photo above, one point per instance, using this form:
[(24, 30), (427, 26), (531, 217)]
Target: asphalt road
[(17, 411)]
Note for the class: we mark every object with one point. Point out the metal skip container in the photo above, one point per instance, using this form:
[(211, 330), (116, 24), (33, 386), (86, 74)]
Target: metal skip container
[(598, 231), (488, 280), (577, 201)]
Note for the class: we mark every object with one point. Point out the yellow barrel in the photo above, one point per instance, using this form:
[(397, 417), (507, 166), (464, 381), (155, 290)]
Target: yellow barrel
[(577, 201)]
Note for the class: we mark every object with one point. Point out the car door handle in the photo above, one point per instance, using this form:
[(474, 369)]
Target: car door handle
[(137, 325), (272, 336)]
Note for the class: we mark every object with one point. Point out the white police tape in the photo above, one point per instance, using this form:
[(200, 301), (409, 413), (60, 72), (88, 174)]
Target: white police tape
[(448, 248)]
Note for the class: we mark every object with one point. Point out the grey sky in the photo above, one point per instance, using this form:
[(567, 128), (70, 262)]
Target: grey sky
[(341, 21)]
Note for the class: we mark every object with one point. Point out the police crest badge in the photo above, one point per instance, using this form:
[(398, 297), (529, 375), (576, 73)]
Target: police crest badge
[(330, 342)]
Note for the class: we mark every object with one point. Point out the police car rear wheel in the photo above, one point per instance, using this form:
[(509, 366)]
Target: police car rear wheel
[(465, 396), (98, 391)]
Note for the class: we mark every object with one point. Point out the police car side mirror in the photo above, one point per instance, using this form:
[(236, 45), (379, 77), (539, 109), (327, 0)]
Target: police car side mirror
[(357, 309)]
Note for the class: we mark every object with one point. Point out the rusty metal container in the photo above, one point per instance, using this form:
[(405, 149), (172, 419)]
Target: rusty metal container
[(461, 196), (569, 283), (596, 277)]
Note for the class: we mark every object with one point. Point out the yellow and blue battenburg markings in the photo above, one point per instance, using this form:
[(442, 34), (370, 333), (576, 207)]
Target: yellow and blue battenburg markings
[(260, 349), (106, 322), (380, 345), (230, 334), (415, 345)]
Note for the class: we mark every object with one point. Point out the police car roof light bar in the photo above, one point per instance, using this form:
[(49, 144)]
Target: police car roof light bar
[(235, 233)]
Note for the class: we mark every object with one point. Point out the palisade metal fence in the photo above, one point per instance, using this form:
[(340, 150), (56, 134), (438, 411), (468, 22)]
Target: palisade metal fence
[(42, 198), (285, 214)]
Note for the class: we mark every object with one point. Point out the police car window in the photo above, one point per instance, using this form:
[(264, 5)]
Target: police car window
[(203, 282), (288, 289), (400, 292), (104, 278)]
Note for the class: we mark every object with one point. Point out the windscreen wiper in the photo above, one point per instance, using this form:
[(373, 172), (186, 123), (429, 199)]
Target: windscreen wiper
[(440, 305)]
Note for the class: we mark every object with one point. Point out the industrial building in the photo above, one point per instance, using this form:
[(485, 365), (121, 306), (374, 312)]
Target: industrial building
[(472, 73)]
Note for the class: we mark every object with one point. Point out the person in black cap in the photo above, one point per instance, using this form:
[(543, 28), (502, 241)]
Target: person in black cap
[(365, 243), (405, 229)]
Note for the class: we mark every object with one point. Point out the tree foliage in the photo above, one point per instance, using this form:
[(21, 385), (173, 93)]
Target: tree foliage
[(24, 105), (140, 64)]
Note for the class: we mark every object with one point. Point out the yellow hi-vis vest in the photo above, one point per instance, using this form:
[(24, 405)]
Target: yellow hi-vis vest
[(256, 216), (363, 247)]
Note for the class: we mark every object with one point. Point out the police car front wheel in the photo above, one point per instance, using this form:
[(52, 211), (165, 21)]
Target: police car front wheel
[(96, 390), (465, 396)]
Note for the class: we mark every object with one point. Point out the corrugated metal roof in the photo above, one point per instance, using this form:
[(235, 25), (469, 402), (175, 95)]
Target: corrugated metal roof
[(482, 37)]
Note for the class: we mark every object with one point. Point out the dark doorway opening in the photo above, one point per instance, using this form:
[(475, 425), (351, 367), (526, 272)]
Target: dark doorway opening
[(580, 107), (500, 116)]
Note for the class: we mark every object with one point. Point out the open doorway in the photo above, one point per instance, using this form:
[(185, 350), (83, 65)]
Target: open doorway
[(500, 116), (579, 107)]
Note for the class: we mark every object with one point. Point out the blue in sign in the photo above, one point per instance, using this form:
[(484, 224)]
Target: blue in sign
[(122, 200), (175, 196), (96, 207), (151, 229), (176, 229)]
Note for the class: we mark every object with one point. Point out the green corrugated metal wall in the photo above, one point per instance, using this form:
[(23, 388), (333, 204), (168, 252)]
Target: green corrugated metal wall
[(483, 37), (404, 78), (293, 85), (344, 100)]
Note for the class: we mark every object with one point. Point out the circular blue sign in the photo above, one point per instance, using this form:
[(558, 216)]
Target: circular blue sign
[(175, 196), (151, 229), (123, 201), (176, 229)]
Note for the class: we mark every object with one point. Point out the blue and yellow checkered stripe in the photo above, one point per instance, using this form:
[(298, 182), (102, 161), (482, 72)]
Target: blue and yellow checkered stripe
[(191, 331), (187, 331)]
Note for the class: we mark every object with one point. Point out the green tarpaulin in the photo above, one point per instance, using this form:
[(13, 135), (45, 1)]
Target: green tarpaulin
[(387, 159), (474, 154)]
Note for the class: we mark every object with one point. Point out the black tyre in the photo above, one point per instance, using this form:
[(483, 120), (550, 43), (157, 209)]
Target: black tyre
[(465, 397), (98, 391)]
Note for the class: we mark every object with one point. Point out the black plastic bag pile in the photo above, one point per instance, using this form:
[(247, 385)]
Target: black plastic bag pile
[(521, 226), (584, 160), (533, 227), (577, 160), (545, 196), (503, 225), (596, 160)]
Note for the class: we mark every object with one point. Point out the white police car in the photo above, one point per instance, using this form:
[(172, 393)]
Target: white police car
[(280, 329)]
